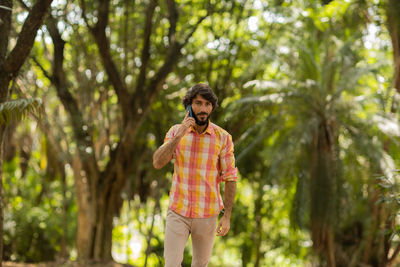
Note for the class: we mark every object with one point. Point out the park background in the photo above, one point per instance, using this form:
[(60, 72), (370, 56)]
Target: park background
[(308, 89)]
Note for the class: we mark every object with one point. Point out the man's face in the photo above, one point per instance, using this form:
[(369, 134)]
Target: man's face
[(202, 109)]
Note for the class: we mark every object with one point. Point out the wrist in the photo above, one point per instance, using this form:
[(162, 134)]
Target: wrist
[(227, 214)]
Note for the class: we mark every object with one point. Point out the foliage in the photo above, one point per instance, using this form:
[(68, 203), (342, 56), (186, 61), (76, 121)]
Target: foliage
[(34, 213), (308, 119), (16, 110), (390, 196)]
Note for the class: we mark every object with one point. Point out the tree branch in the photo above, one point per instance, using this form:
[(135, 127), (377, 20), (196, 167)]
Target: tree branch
[(173, 19), (145, 55), (81, 128), (120, 158), (45, 73), (25, 6), (84, 16), (46, 127), (103, 11), (171, 58), (141, 102), (392, 259), (26, 37), (5, 8), (103, 44), (193, 30), (5, 27)]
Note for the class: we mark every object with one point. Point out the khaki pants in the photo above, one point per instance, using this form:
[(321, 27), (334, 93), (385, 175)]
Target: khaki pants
[(177, 231)]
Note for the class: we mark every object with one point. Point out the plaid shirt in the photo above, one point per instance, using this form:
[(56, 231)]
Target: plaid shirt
[(202, 161)]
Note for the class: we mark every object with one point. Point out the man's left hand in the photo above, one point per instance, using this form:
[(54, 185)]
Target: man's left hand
[(223, 226)]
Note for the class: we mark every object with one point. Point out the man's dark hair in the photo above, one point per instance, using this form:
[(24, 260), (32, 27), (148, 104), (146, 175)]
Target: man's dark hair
[(202, 89)]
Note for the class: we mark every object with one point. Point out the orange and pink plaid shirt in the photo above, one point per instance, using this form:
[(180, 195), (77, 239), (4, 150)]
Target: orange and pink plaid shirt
[(202, 161)]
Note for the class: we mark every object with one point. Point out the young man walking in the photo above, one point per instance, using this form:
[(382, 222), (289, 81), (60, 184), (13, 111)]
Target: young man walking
[(203, 157)]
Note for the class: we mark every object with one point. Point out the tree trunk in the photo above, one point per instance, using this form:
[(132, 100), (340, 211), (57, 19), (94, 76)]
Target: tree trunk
[(107, 206), (2, 130), (259, 205), (64, 249), (5, 18), (95, 217), (323, 190), (85, 214), (393, 24), (383, 216)]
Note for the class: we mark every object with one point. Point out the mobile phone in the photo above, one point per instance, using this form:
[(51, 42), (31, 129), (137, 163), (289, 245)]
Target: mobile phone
[(189, 107)]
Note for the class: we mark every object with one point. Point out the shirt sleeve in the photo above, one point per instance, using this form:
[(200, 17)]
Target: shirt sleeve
[(170, 134), (227, 162)]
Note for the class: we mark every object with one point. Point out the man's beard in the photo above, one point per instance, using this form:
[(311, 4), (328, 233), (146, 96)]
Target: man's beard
[(200, 122)]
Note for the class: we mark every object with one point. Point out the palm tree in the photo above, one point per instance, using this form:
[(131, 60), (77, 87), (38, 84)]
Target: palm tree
[(316, 118)]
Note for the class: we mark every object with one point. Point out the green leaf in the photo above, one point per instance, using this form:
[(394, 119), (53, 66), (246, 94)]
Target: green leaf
[(16, 110)]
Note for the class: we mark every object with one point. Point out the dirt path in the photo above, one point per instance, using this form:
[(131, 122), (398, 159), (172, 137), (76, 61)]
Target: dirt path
[(66, 264)]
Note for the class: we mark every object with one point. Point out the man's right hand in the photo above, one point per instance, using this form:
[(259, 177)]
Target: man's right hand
[(185, 125), (164, 153)]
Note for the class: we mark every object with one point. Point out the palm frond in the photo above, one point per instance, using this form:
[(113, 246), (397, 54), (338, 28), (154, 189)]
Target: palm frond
[(300, 202), (388, 124), (268, 99), (16, 110), (263, 85), (365, 144), (265, 129)]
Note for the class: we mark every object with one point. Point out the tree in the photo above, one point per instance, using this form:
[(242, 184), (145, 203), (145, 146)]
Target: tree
[(308, 117), (10, 63), (99, 198)]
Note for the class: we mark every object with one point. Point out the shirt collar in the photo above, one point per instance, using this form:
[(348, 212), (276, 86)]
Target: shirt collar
[(209, 130)]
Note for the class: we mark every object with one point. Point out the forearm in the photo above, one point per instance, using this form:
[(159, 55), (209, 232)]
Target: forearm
[(229, 197), (164, 153)]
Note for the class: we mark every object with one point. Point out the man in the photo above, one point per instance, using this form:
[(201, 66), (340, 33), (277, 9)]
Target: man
[(203, 154)]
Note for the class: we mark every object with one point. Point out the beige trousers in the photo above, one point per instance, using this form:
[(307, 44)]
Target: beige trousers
[(177, 231)]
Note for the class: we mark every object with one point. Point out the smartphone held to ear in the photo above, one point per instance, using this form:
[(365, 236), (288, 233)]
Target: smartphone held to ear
[(189, 108)]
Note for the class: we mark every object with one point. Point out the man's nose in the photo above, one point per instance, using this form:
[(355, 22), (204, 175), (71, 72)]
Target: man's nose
[(203, 109)]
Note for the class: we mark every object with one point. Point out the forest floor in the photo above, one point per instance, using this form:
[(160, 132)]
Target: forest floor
[(66, 264)]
